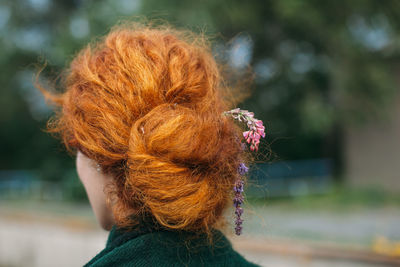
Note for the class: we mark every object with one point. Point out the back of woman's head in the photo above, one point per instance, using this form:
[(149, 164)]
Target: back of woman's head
[(146, 104)]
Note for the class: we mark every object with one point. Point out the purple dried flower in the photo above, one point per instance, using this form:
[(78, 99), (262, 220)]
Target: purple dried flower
[(242, 169), (237, 201), (238, 187), (239, 211), (238, 221), (238, 230)]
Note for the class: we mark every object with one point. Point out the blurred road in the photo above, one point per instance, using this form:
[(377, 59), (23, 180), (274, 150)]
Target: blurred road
[(65, 235), (357, 228)]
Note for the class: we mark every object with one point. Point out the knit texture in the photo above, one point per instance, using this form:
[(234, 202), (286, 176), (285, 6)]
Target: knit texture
[(149, 245)]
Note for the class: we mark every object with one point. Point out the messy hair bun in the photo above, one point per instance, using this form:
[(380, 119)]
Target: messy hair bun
[(146, 104)]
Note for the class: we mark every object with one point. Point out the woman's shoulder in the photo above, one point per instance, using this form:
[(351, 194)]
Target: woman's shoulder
[(168, 248)]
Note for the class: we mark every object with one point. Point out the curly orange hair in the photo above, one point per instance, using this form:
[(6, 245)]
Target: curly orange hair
[(146, 103)]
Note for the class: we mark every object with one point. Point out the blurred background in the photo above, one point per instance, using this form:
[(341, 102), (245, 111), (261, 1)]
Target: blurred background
[(325, 190)]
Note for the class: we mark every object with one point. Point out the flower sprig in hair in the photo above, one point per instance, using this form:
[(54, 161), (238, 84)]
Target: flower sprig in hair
[(252, 137), (256, 127)]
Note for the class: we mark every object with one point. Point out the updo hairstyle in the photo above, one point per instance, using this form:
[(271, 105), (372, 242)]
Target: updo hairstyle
[(146, 104)]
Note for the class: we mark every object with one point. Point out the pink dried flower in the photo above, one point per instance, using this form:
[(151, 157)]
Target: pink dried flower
[(256, 127)]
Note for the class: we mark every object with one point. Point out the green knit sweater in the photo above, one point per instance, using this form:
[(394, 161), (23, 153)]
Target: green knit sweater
[(150, 246)]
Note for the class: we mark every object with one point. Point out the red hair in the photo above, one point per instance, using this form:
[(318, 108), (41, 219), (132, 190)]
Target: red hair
[(146, 104)]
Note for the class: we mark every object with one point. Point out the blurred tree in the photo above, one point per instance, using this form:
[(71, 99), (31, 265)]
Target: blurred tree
[(319, 65)]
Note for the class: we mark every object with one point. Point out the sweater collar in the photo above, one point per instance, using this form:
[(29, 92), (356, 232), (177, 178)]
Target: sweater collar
[(120, 235)]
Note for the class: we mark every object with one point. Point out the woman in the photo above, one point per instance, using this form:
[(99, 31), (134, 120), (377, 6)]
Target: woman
[(143, 108)]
